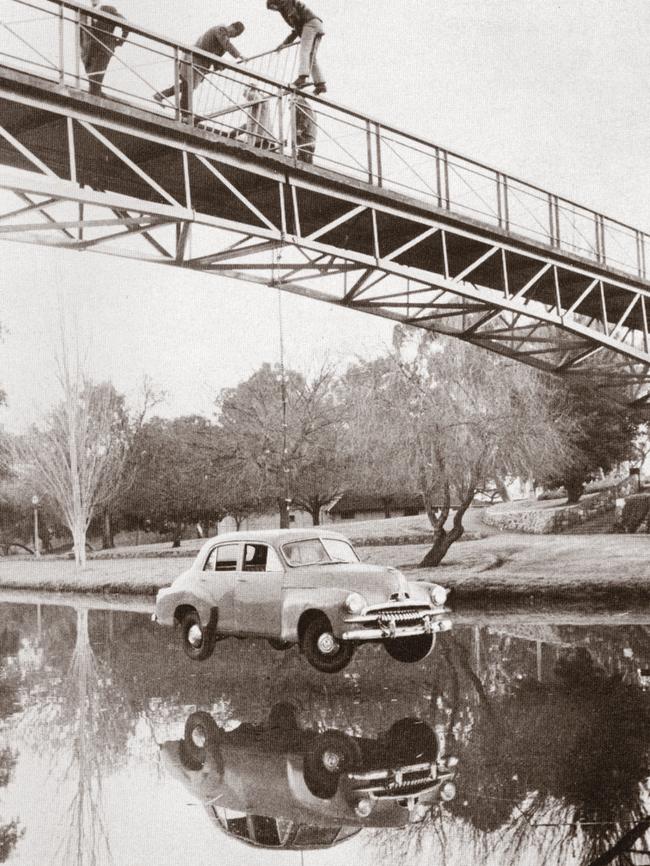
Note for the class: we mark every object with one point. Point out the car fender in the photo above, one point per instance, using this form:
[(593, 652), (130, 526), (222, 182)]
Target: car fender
[(168, 601), (296, 601), (420, 590)]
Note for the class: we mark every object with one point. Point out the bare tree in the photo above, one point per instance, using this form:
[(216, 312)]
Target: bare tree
[(76, 458)]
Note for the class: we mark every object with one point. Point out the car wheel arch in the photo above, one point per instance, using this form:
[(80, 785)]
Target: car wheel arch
[(306, 617), (208, 618)]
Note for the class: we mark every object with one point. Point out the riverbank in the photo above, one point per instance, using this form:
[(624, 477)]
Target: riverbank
[(493, 569)]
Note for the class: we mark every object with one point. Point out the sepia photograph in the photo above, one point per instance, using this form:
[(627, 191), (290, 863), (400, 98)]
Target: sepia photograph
[(324, 433)]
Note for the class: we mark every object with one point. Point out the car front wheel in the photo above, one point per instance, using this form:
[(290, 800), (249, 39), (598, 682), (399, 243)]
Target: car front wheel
[(322, 650), (198, 640), (410, 649), (333, 754)]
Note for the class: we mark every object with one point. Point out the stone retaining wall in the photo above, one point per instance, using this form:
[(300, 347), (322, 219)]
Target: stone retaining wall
[(515, 517)]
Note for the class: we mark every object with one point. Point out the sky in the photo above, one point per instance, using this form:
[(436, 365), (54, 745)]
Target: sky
[(553, 92)]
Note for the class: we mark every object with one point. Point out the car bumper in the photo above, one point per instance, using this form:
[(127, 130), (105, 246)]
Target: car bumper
[(390, 631)]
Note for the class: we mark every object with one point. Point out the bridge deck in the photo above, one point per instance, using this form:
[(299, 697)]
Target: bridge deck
[(382, 220)]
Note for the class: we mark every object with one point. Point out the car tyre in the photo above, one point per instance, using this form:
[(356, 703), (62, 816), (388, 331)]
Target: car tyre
[(198, 640), (283, 716), (335, 753), (279, 645), (200, 739), (410, 649), (411, 741), (322, 650)]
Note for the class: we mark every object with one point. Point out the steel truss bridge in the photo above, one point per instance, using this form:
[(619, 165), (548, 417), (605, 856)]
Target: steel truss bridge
[(225, 182)]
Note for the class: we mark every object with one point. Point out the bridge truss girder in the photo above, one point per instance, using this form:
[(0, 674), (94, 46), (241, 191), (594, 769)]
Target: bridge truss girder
[(230, 211)]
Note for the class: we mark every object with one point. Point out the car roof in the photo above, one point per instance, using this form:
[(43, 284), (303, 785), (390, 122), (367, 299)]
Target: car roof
[(277, 536)]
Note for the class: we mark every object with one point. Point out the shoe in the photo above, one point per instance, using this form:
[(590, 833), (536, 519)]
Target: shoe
[(158, 97), (301, 81), (321, 87)]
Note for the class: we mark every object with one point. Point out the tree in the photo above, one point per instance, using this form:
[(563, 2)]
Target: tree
[(282, 431), (441, 417), (125, 429), (178, 474), (601, 435), (76, 457)]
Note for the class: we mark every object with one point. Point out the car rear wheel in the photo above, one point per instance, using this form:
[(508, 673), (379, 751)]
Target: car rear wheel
[(410, 649), (198, 640), (279, 644), (283, 716), (335, 753), (322, 650), (200, 738)]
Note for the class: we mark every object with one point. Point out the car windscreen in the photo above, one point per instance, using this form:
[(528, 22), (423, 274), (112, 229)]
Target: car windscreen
[(315, 551), (309, 551), (339, 550)]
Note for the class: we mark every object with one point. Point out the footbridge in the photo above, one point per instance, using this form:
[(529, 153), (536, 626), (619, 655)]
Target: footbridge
[(239, 175)]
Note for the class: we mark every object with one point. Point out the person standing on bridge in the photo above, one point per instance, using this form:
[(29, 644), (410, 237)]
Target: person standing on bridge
[(309, 28), (216, 40), (97, 44)]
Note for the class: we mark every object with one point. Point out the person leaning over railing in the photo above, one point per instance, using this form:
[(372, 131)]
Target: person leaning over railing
[(216, 40), (97, 44), (305, 130), (257, 129), (309, 28)]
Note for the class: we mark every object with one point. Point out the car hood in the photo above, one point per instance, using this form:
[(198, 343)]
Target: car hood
[(355, 576)]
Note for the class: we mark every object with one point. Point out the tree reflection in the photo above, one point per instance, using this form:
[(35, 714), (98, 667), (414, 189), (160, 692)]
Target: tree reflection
[(549, 772), (10, 832), (82, 728)]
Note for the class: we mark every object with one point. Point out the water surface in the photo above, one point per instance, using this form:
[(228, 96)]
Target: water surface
[(545, 717)]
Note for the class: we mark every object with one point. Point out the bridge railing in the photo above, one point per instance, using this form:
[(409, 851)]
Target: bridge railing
[(253, 103)]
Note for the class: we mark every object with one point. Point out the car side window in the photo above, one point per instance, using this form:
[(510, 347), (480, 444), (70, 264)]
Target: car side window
[(223, 557), (260, 557)]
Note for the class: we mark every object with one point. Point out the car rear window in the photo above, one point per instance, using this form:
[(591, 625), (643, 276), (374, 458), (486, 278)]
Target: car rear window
[(261, 557), (222, 558)]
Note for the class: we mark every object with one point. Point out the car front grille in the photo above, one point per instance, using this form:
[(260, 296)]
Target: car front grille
[(400, 615), (396, 784)]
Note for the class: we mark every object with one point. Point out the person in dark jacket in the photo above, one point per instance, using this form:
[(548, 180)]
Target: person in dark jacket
[(216, 40), (305, 130), (309, 28), (97, 43)]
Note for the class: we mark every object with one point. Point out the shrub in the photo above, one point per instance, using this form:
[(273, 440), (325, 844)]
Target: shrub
[(635, 511)]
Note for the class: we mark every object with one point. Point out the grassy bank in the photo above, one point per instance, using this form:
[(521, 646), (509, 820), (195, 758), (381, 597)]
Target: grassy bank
[(495, 568)]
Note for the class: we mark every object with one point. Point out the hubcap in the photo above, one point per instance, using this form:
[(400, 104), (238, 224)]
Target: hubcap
[(331, 761), (327, 644), (198, 737), (195, 635)]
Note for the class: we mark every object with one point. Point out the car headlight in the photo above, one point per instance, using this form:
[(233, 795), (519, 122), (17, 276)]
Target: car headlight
[(438, 595), (355, 603), (363, 807), (447, 792)]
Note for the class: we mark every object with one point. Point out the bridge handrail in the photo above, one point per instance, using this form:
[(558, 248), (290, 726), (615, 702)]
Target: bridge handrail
[(375, 128)]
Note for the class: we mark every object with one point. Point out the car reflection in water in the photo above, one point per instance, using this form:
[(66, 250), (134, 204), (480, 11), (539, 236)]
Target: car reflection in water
[(279, 786)]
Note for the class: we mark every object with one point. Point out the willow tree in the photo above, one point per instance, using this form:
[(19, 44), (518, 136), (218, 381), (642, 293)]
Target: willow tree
[(443, 418), (75, 456)]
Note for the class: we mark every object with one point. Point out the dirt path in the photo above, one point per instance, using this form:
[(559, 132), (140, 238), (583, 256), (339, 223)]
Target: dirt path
[(498, 567)]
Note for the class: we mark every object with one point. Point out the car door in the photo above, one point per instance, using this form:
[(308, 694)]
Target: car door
[(218, 581), (258, 593)]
